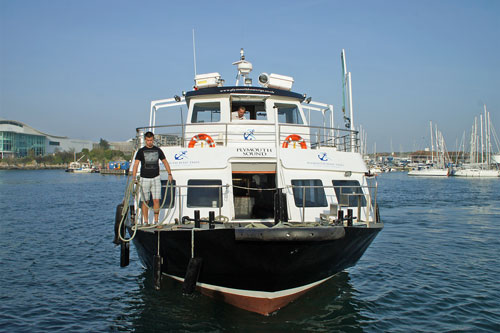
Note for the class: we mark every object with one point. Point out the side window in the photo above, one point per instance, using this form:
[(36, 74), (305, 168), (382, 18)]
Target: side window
[(206, 112), (202, 195), (349, 193), (313, 191), (288, 114), (260, 111)]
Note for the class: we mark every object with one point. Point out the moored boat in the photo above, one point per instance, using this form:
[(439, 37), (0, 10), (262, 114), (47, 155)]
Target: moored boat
[(482, 161), (430, 172), (77, 167), (437, 166), (476, 171), (261, 209)]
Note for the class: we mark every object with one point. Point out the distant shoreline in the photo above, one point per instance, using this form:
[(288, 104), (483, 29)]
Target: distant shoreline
[(41, 166)]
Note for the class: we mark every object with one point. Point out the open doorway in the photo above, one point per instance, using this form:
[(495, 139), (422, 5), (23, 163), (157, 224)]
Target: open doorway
[(254, 194)]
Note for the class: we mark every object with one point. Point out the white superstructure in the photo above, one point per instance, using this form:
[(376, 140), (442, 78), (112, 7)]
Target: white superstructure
[(318, 170)]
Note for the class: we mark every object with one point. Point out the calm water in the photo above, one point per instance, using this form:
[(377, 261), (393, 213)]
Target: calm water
[(435, 266)]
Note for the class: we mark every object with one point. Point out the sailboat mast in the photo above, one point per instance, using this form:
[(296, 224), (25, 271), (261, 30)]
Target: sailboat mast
[(473, 141), (436, 136), (463, 148), (432, 145), (486, 135), (482, 142), (489, 147)]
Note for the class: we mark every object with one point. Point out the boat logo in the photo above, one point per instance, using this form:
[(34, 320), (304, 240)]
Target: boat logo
[(182, 155), (249, 134), (323, 157)]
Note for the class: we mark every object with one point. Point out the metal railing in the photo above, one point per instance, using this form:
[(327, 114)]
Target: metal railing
[(224, 134), (370, 198)]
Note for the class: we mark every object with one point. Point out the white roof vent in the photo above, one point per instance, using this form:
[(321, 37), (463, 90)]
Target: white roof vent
[(208, 80), (276, 81)]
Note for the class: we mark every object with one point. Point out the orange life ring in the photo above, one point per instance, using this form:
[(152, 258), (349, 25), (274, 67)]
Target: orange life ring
[(294, 138), (201, 138)]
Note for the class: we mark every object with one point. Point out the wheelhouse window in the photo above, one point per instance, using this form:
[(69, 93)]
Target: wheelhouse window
[(206, 112), (201, 196), (288, 114), (260, 111), (253, 110), (349, 193), (313, 191)]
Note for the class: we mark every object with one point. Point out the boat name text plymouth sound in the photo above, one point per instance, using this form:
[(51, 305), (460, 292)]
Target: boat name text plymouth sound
[(254, 151)]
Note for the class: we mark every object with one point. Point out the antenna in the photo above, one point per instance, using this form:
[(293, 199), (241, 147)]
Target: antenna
[(244, 68), (194, 54)]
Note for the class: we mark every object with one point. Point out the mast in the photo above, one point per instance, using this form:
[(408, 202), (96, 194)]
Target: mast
[(472, 156), (463, 149), (347, 85), (436, 136), (194, 55), (244, 68), (432, 145), (487, 134), (482, 143), (439, 148), (351, 115)]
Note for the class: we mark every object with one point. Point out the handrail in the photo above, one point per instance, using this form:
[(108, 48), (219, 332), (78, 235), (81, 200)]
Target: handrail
[(370, 206), (371, 198), (223, 133)]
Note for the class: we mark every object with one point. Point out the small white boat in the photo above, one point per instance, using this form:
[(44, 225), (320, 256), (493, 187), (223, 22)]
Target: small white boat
[(83, 167), (430, 172), (77, 167), (434, 167), (476, 172), (482, 161)]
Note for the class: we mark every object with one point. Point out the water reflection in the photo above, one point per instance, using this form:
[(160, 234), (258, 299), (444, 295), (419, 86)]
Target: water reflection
[(331, 306)]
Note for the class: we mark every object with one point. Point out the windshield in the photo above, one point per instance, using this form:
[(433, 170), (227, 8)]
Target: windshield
[(288, 114), (206, 113)]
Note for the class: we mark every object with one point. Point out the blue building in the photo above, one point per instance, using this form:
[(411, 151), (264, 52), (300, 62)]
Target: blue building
[(19, 140)]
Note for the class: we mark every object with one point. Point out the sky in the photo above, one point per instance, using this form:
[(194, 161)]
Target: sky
[(89, 69)]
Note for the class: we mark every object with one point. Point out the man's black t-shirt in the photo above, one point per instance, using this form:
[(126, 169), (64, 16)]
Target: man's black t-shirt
[(149, 158)]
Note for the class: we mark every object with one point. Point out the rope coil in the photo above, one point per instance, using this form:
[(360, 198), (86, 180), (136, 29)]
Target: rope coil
[(134, 192)]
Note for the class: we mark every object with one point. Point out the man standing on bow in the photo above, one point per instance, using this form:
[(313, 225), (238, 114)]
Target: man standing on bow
[(150, 182)]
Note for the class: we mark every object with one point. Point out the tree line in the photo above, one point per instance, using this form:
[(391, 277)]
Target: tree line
[(99, 155)]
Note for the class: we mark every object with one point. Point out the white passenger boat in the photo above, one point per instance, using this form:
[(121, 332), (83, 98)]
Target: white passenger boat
[(260, 210)]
